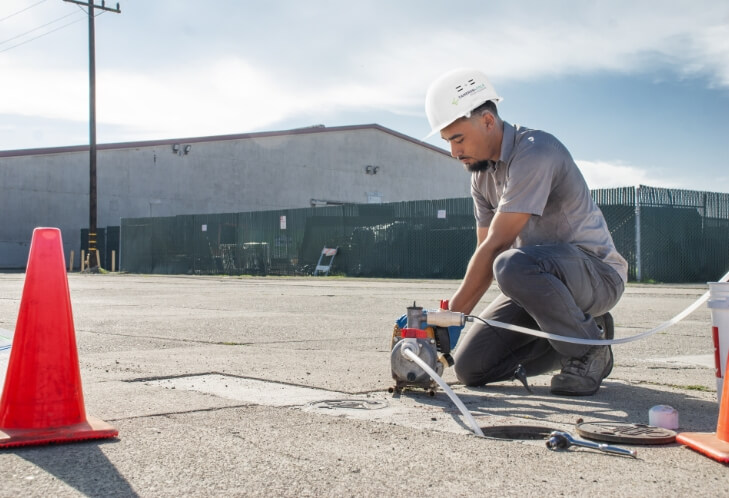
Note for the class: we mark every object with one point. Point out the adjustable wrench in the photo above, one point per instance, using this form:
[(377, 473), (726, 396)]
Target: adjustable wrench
[(559, 440)]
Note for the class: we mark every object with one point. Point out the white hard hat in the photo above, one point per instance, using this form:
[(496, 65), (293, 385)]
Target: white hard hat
[(454, 95)]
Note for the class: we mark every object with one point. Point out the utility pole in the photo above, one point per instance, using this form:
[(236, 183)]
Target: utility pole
[(93, 263)]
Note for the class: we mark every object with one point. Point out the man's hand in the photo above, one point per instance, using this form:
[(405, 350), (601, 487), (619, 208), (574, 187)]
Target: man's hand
[(454, 331)]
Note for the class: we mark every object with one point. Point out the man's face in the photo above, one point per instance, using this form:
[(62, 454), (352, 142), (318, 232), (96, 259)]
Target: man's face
[(475, 141)]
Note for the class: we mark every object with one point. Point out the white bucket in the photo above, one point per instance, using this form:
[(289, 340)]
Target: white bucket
[(719, 306)]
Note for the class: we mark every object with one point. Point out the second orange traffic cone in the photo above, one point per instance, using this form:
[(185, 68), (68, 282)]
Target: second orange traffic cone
[(42, 400), (712, 444)]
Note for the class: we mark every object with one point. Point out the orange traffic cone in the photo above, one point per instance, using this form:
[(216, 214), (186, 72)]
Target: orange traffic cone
[(42, 401), (712, 444)]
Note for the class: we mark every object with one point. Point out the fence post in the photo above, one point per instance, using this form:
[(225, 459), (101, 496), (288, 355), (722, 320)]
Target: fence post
[(638, 270)]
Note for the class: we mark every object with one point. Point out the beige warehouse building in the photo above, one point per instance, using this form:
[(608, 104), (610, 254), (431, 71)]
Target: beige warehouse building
[(218, 174)]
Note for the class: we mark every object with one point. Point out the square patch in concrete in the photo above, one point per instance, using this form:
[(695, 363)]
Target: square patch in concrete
[(259, 392)]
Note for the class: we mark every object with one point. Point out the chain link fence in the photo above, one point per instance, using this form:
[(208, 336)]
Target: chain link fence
[(665, 235)]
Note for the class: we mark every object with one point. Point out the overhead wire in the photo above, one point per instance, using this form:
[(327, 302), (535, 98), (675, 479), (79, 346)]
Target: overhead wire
[(37, 28), (40, 36), (21, 11), (41, 26)]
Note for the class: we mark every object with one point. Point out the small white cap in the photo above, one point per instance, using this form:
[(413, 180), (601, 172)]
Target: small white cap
[(663, 416)]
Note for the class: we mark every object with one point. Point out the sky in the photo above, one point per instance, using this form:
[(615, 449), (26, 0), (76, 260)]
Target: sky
[(637, 91)]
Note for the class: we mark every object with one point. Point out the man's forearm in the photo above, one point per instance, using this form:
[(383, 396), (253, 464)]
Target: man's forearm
[(480, 273), (476, 282)]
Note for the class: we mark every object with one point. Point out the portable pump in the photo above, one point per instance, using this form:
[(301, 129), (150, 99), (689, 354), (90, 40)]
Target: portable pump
[(426, 334)]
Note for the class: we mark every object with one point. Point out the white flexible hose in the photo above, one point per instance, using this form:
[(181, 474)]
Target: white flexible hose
[(409, 353), (573, 340)]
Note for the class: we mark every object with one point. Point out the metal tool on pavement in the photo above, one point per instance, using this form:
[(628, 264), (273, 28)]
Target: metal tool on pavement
[(560, 440)]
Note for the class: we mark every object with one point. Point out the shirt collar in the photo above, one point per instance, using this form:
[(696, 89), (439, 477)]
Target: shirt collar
[(507, 147), (507, 142)]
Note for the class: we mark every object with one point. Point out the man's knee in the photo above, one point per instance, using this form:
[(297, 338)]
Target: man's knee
[(474, 374), (466, 374), (510, 267), (467, 365)]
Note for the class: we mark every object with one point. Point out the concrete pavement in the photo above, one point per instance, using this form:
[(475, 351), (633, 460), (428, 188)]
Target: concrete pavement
[(228, 386)]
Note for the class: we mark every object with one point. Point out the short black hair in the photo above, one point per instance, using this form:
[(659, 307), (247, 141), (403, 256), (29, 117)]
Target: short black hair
[(489, 106)]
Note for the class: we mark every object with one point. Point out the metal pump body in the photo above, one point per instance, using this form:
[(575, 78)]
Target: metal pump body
[(425, 334)]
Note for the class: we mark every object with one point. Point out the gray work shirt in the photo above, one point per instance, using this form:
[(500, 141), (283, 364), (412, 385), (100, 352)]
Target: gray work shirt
[(536, 174)]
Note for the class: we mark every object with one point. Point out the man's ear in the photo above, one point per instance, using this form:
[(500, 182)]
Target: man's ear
[(487, 119)]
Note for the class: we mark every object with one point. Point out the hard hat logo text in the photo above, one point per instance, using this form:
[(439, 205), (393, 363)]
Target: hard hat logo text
[(468, 92)]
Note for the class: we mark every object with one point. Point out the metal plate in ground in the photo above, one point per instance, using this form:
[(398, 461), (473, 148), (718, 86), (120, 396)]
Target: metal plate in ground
[(626, 433), (349, 404), (517, 432)]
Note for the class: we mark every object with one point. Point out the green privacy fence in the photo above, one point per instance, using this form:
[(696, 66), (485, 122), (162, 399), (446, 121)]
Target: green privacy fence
[(684, 235), (666, 235), (431, 239)]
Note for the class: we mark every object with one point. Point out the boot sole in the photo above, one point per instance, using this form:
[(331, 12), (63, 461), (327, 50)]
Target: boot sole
[(574, 393)]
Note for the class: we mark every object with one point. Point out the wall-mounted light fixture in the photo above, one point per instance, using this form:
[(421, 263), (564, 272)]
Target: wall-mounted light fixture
[(181, 149)]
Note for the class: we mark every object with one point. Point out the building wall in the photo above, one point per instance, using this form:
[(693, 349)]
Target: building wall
[(252, 172)]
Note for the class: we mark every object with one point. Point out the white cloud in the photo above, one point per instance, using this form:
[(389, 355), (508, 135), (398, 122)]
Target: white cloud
[(603, 174), (711, 53), (234, 76), (51, 93), (220, 97), (611, 174), (528, 40), (225, 96)]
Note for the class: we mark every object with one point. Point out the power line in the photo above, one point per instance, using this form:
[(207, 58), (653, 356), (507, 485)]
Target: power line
[(38, 27), (21, 11), (40, 36)]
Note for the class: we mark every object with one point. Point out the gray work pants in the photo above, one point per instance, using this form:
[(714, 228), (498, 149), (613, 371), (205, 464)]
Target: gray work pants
[(555, 288)]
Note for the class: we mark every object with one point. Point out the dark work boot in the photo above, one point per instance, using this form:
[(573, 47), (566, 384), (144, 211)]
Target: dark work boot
[(582, 376)]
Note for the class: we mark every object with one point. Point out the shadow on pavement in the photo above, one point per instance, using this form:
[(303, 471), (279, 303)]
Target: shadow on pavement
[(81, 465), (615, 402)]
